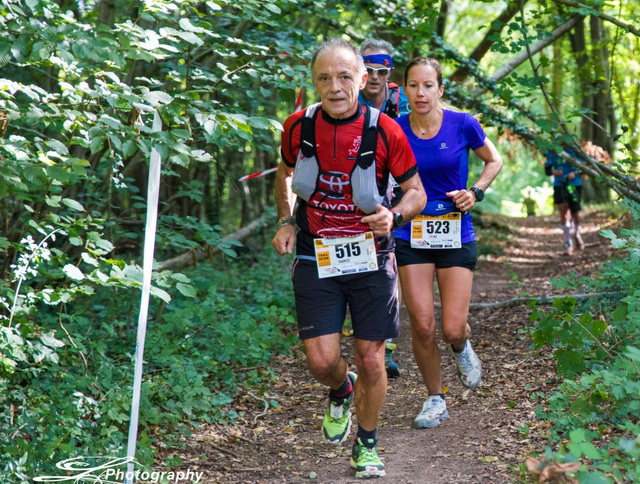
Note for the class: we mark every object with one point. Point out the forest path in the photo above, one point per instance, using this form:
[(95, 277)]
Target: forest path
[(484, 441)]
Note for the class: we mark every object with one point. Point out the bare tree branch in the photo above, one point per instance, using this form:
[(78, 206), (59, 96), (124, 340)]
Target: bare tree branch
[(628, 27), (534, 49), (485, 44), (192, 257), (519, 301)]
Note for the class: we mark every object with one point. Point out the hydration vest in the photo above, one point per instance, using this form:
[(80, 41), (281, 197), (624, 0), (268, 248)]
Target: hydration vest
[(392, 107), (365, 193)]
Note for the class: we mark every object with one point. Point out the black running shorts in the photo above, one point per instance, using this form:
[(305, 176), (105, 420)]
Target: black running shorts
[(569, 195), (465, 256), (372, 298)]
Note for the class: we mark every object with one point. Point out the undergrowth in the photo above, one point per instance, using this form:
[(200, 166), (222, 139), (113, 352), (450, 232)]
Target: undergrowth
[(594, 413), (65, 380)]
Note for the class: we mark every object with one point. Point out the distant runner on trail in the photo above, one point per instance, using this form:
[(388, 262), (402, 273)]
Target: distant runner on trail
[(567, 195), (380, 93), (343, 154), (440, 242)]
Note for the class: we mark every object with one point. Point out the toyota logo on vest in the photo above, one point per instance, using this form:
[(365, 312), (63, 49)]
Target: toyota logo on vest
[(335, 184)]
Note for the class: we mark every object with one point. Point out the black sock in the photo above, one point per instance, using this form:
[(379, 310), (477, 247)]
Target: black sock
[(459, 351), (367, 437), (344, 390)]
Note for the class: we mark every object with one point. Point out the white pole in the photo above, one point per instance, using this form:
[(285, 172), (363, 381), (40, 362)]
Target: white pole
[(153, 191)]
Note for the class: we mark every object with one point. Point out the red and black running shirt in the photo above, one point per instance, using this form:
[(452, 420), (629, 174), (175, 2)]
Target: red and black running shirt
[(337, 145)]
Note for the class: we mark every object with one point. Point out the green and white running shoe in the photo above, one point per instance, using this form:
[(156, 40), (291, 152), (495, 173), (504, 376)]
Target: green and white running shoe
[(365, 460), (336, 423), (469, 366)]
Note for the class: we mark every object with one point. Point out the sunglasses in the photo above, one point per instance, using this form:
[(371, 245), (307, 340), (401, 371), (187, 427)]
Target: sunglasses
[(381, 71)]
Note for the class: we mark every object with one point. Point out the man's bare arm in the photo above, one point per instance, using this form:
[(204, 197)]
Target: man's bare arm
[(285, 237)]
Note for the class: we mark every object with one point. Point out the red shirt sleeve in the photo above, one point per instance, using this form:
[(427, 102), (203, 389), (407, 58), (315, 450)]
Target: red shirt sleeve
[(290, 141)]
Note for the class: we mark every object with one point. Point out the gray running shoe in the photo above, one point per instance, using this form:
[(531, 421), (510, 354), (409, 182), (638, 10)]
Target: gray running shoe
[(469, 366), (434, 411)]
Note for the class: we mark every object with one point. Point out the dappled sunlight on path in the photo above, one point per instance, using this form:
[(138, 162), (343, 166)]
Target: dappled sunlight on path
[(491, 430)]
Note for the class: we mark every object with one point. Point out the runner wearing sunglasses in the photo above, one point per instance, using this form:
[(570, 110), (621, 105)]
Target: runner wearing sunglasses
[(380, 93)]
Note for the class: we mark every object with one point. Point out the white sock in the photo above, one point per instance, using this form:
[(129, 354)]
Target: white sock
[(566, 230)]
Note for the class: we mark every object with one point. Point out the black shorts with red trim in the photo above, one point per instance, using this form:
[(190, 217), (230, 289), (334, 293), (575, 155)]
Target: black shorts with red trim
[(372, 298)]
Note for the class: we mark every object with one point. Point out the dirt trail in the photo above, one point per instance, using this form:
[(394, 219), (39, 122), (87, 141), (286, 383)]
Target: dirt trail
[(490, 431)]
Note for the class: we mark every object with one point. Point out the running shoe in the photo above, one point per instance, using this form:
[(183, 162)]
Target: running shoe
[(568, 249), (393, 371), (434, 411), (365, 459), (469, 366), (336, 423)]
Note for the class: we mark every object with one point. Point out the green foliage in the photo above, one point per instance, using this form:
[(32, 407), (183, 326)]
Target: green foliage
[(65, 391), (596, 352), (77, 80)]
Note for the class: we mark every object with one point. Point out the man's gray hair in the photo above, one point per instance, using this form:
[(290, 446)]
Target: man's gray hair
[(334, 44), (376, 44)]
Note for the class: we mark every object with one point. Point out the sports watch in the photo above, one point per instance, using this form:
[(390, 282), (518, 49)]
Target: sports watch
[(479, 193), (282, 221), (397, 219)]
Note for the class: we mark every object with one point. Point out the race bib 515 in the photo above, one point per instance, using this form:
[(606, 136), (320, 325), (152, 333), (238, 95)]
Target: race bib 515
[(346, 255)]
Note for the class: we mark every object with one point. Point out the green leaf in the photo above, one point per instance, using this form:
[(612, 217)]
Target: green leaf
[(589, 450), (577, 435), (57, 146), (633, 353), (96, 143), (186, 289), (569, 362), (186, 24), (582, 405), (620, 313), (73, 272), (273, 8), (51, 341), (111, 122), (162, 294), (593, 478), (191, 38), (73, 204), (157, 98)]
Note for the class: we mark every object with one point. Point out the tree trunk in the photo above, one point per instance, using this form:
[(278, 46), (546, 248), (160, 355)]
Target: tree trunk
[(107, 12), (597, 122), (441, 24), (557, 77), (579, 48), (601, 83)]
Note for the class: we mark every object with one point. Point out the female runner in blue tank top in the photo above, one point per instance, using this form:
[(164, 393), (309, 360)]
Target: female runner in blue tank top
[(441, 140)]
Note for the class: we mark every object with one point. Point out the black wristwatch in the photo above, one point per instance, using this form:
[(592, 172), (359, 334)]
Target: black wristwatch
[(397, 219), (479, 193)]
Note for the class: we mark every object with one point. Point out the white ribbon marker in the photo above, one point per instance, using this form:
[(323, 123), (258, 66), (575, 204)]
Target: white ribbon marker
[(153, 191)]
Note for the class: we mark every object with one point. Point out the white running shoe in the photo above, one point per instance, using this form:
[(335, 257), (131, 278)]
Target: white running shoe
[(434, 411), (469, 366)]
